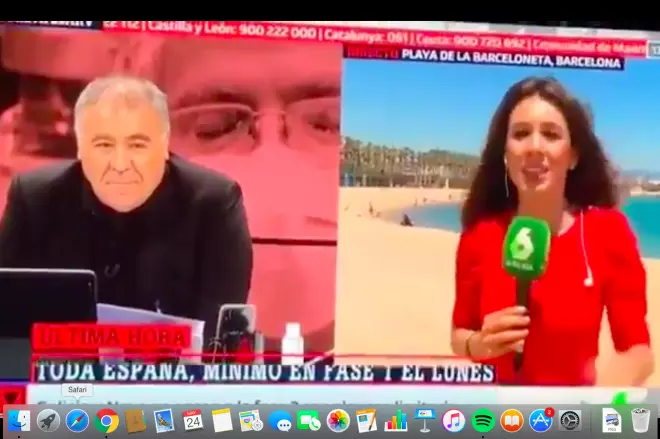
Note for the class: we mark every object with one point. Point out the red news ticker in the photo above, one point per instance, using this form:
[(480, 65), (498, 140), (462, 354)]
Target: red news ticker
[(65, 337), (416, 38)]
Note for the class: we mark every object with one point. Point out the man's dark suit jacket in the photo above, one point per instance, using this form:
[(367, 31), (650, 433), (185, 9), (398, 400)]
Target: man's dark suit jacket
[(195, 255)]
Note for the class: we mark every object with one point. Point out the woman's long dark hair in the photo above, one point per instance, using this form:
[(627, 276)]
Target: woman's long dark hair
[(591, 183)]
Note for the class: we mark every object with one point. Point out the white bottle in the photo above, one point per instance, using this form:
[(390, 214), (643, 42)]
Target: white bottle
[(293, 345)]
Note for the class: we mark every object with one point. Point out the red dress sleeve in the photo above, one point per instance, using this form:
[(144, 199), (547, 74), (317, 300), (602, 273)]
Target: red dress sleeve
[(625, 287), (467, 303)]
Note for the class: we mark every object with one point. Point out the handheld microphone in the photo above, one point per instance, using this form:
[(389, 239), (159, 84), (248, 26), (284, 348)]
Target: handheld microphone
[(525, 257)]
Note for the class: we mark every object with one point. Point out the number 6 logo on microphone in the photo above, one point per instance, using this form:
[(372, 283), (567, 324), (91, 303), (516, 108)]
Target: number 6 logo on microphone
[(522, 246), (526, 248)]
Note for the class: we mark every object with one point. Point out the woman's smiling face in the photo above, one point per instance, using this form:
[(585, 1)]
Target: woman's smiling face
[(538, 152)]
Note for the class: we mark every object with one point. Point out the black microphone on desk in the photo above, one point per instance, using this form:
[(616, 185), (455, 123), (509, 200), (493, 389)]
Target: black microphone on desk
[(525, 257)]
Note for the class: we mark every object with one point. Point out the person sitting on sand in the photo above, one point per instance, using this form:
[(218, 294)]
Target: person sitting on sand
[(543, 160), (406, 221)]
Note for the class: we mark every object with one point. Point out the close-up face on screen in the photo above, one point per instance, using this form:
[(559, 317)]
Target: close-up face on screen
[(375, 213), (267, 114)]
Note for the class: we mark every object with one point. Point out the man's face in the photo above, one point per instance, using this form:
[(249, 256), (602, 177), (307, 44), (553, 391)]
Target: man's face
[(123, 150), (268, 115)]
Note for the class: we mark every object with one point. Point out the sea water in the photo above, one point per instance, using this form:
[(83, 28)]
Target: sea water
[(642, 212)]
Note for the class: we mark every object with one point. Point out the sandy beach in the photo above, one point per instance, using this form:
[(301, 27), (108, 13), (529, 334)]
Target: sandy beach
[(396, 283)]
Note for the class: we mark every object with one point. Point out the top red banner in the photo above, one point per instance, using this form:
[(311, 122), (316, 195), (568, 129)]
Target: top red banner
[(486, 41)]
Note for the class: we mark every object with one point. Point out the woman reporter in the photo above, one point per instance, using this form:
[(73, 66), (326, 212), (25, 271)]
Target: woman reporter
[(542, 159)]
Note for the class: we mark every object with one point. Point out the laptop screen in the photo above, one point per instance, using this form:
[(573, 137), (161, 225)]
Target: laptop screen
[(33, 296), (39, 296)]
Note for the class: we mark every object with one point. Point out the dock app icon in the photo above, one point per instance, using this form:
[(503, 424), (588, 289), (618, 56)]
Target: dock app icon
[(48, 420), (192, 420), (250, 420), (366, 420), (164, 421), (570, 420), (308, 420), (18, 420), (135, 422), (512, 420), (222, 420), (611, 421)]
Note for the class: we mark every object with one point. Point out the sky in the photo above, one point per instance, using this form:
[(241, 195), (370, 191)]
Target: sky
[(448, 106)]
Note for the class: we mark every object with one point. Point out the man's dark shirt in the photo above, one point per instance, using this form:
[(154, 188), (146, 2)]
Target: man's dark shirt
[(185, 252)]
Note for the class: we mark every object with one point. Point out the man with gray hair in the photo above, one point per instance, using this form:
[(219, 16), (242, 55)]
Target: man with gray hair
[(160, 233)]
